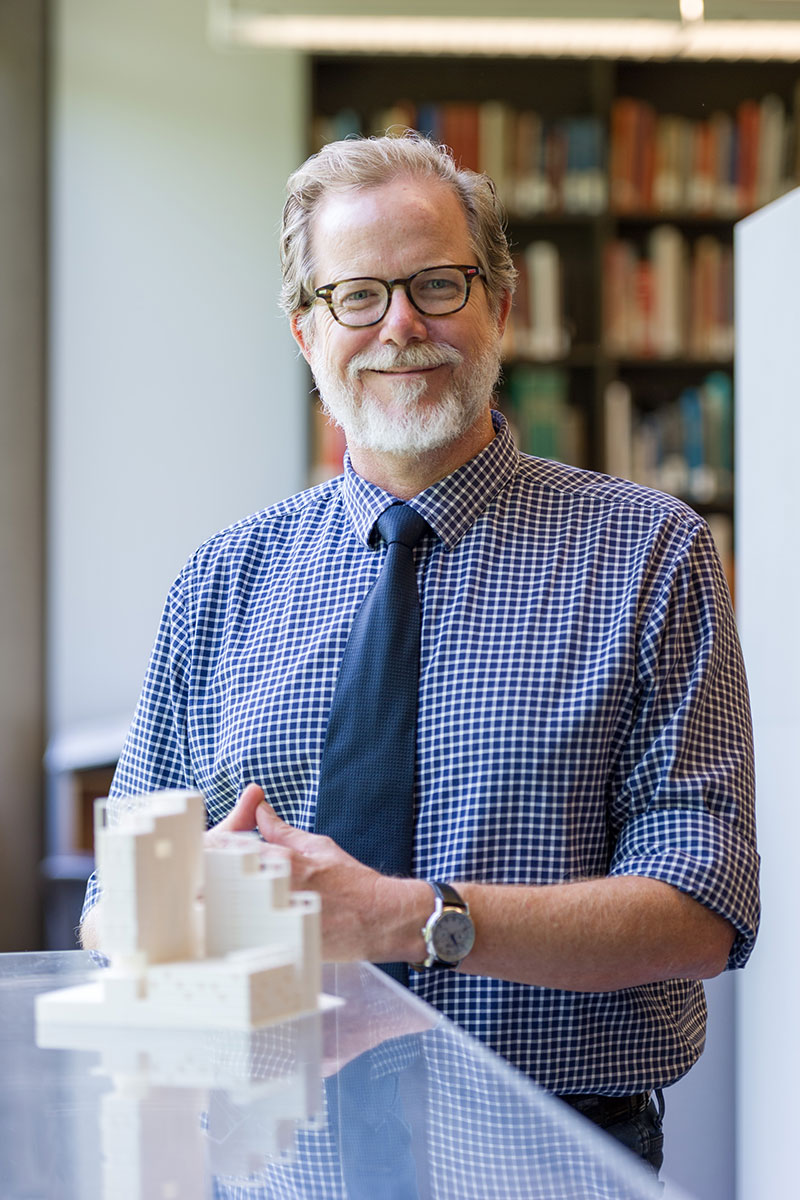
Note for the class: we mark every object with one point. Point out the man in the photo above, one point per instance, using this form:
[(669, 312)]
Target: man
[(584, 765)]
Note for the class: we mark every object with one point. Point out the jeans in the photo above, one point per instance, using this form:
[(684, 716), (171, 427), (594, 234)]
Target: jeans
[(643, 1134)]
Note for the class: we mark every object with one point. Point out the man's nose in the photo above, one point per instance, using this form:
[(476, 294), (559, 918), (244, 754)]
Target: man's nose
[(402, 323)]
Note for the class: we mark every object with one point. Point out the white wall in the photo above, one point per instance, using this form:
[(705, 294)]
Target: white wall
[(177, 401), (768, 598)]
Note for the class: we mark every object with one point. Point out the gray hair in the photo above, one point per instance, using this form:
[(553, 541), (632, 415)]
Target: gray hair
[(370, 162)]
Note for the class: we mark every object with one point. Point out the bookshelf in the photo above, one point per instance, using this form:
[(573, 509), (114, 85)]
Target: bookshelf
[(622, 182)]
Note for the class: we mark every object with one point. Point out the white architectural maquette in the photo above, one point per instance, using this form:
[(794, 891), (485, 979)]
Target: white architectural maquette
[(200, 932)]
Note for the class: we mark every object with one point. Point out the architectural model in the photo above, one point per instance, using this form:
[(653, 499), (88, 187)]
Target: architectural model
[(200, 932)]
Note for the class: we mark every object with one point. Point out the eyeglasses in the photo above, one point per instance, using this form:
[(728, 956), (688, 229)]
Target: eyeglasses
[(434, 292)]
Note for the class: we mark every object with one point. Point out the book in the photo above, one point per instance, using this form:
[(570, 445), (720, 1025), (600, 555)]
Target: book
[(717, 407), (683, 445), (701, 189), (429, 121), (547, 335), (667, 251), (327, 446), (642, 316), (645, 157), (623, 166), (495, 130), (771, 150), (584, 184), (619, 261), (793, 148), (721, 527), (700, 478), (547, 425), (672, 466), (646, 451), (668, 172), (515, 338), (711, 318), (460, 131), (395, 119), (671, 300), (747, 127), (346, 123), (723, 138), (528, 186), (618, 430)]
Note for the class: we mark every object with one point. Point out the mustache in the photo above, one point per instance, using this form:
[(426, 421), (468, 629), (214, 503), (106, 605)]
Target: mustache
[(384, 358)]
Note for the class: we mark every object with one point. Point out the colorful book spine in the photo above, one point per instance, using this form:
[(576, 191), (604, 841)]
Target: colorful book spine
[(327, 447), (684, 446), (723, 165), (545, 423), (671, 299), (643, 162), (538, 326)]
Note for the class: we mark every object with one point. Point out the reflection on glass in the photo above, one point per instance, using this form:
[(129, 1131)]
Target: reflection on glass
[(376, 1098)]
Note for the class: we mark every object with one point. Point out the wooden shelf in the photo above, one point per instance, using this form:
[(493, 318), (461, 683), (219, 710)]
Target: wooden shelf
[(676, 363), (576, 383)]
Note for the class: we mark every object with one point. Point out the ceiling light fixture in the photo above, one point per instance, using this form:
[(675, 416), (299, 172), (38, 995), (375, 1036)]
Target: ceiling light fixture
[(692, 10), (232, 23)]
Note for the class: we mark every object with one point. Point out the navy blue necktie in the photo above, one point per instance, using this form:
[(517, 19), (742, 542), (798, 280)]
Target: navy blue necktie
[(366, 785)]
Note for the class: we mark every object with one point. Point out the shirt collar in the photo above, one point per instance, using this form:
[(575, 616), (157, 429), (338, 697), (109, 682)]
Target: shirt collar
[(451, 505)]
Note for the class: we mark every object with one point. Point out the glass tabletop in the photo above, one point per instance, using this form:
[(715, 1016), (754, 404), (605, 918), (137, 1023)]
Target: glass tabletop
[(374, 1096)]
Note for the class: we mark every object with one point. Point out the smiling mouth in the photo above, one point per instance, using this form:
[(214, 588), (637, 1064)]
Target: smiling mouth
[(405, 370)]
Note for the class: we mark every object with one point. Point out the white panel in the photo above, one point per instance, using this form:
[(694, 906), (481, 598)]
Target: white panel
[(177, 400), (768, 600), (699, 1122)]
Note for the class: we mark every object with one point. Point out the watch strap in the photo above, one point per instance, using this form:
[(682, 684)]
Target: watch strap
[(448, 895)]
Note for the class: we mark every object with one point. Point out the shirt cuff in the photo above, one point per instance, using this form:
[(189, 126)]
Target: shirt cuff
[(702, 856)]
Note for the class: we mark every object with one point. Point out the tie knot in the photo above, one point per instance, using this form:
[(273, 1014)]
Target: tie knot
[(401, 524)]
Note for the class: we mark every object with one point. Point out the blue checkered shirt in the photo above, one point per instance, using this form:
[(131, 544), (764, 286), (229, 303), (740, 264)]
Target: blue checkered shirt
[(583, 712)]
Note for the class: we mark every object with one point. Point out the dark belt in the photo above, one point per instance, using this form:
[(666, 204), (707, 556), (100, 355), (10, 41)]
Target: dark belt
[(607, 1110)]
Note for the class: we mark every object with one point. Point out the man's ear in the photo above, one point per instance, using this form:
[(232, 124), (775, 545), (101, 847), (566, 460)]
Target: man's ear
[(296, 323), (504, 311)]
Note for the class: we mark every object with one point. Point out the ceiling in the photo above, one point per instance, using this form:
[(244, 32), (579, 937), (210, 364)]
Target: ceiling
[(663, 10), (733, 30)]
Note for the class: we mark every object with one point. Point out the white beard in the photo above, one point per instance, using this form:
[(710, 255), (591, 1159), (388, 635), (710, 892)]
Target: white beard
[(421, 426)]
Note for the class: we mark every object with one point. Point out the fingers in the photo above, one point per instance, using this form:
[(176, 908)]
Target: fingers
[(243, 814), (252, 811), (276, 831)]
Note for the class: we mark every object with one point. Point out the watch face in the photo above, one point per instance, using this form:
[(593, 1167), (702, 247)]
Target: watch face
[(453, 936)]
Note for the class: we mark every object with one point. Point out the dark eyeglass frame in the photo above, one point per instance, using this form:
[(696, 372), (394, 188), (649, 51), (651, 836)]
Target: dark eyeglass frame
[(470, 273)]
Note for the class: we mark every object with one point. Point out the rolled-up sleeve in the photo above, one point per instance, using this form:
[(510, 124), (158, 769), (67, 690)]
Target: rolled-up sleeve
[(684, 808)]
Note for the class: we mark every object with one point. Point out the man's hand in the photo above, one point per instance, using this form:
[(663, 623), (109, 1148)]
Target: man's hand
[(89, 932), (365, 915)]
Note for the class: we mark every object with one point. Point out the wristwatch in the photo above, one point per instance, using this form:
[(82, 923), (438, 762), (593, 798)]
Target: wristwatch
[(449, 932)]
